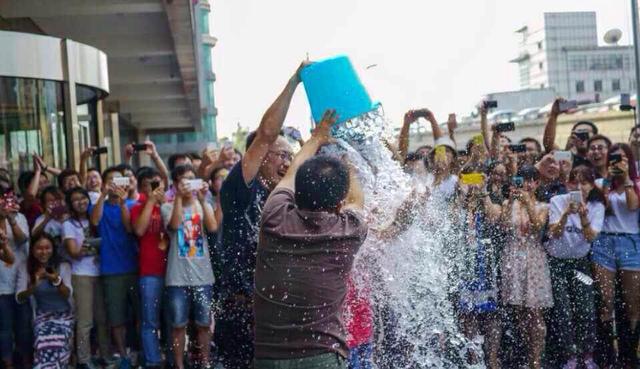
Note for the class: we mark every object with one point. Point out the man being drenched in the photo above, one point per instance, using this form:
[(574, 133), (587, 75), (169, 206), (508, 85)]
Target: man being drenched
[(312, 227)]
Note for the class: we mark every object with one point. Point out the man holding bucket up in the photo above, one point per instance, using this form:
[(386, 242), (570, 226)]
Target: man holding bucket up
[(242, 198), (312, 227)]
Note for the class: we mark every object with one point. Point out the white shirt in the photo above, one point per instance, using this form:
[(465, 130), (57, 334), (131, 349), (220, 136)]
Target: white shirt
[(93, 196), (9, 273), (572, 244), (622, 220), (52, 228), (88, 265), (445, 190)]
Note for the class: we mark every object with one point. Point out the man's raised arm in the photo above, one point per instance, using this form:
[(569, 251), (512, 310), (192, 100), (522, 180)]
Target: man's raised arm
[(269, 129), (549, 138)]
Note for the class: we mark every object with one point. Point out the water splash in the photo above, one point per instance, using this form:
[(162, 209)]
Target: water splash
[(410, 279)]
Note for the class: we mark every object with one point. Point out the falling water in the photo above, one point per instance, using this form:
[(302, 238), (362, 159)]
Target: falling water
[(410, 279)]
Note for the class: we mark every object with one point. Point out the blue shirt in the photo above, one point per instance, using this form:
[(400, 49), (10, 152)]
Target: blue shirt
[(118, 248), (242, 209)]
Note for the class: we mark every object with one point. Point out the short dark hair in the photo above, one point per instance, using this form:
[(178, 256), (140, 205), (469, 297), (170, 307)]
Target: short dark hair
[(146, 173), (599, 137), (141, 170), (94, 169), (53, 190), (411, 156), (588, 123), (66, 173), (195, 156), (531, 139), (110, 170), (528, 172), (124, 167), (321, 183), (24, 179), (174, 158), (180, 170)]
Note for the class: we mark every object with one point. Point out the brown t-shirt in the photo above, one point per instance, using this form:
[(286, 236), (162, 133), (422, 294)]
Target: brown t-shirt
[(303, 262)]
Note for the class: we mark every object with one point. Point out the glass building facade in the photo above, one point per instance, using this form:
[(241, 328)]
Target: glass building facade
[(50, 92)]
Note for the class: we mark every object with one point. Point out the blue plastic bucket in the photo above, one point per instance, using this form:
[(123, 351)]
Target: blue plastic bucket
[(333, 84)]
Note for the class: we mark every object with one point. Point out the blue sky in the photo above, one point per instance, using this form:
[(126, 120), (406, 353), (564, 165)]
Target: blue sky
[(443, 55)]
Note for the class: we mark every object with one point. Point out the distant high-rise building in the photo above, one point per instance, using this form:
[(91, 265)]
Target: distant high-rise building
[(562, 53)]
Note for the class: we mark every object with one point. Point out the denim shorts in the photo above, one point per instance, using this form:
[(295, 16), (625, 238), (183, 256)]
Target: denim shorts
[(184, 300), (616, 251)]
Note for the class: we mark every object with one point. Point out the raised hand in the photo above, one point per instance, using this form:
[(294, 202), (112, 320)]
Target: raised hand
[(555, 108), (88, 152), (151, 148), (323, 130)]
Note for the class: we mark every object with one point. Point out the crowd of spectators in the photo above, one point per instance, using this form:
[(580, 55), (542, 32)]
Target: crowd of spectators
[(243, 260)]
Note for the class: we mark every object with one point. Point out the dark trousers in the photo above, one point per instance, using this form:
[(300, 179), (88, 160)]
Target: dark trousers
[(573, 317), (234, 335), (15, 327)]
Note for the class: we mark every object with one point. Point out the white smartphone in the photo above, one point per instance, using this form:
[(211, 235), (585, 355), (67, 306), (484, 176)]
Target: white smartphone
[(194, 184), (121, 181), (562, 156), (575, 197)]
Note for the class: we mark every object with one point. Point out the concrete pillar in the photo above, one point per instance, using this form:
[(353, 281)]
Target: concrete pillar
[(115, 138), (141, 136), (102, 159), (72, 128)]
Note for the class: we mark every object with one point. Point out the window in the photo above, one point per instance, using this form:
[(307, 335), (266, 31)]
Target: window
[(606, 62), (31, 120), (542, 85), (597, 85), (615, 85), (580, 86), (540, 45), (578, 63), (541, 65)]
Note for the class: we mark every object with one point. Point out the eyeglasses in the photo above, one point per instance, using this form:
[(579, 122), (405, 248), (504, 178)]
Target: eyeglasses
[(283, 155), (598, 148)]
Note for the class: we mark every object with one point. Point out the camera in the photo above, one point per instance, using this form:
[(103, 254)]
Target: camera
[(490, 104), (615, 158), (565, 106), (517, 148), (575, 197), (194, 184), (582, 135), (92, 244), (517, 181), (121, 181), (100, 151), (140, 147), (472, 178), (562, 156), (505, 127)]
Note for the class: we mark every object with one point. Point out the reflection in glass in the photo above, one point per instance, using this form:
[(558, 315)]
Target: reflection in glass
[(31, 121)]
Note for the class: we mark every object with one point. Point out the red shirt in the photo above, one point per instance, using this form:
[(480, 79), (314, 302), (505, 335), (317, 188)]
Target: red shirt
[(31, 210), (358, 315), (153, 261)]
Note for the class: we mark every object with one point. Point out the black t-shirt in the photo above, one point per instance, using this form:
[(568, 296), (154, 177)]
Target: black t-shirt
[(241, 208), (546, 191)]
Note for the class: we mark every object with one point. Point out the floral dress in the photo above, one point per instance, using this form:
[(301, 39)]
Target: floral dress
[(526, 280)]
